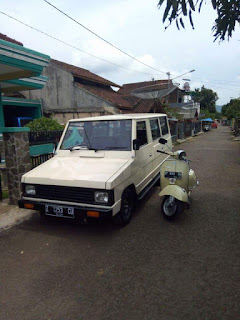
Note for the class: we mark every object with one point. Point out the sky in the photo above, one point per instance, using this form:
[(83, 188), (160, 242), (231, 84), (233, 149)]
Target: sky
[(136, 27)]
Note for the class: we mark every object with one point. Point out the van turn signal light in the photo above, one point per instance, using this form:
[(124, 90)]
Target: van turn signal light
[(93, 214), (28, 205)]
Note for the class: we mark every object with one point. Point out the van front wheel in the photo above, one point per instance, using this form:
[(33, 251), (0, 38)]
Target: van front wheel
[(124, 216)]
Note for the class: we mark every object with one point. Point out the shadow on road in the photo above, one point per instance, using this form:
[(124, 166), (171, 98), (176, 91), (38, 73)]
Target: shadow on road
[(146, 209)]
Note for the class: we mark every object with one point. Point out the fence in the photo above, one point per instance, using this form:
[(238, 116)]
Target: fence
[(42, 145), (174, 130), (188, 129), (198, 127), (39, 159), (41, 137), (1, 187), (182, 130), (236, 127)]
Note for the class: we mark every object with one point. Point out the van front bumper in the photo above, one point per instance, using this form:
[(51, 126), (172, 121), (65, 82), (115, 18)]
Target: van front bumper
[(79, 212)]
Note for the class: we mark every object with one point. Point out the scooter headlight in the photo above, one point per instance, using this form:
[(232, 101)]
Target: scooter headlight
[(182, 155)]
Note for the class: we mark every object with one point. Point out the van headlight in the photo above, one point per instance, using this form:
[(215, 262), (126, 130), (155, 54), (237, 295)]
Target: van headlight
[(101, 197), (30, 190)]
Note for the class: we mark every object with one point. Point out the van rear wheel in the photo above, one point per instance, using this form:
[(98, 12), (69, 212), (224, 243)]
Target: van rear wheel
[(123, 217)]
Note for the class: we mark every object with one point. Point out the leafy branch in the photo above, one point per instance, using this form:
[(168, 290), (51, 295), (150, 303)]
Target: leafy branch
[(228, 15)]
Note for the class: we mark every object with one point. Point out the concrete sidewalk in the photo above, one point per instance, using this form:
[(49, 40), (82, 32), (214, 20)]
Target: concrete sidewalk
[(11, 215)]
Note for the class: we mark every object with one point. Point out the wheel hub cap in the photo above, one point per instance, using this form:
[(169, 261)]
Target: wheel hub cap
[(170, 206)]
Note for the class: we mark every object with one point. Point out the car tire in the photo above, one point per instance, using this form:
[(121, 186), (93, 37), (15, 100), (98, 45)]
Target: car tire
[(172, 207), (124, 216)]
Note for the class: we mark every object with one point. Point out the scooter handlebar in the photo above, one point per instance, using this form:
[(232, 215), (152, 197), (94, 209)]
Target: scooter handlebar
[(162, 152)]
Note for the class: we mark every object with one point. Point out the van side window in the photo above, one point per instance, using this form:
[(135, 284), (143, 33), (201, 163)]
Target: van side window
[(155, 129), (164, 126), (142, 132)]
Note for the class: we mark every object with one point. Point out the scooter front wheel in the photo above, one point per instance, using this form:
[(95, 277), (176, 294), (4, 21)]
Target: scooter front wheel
[(171, 207)]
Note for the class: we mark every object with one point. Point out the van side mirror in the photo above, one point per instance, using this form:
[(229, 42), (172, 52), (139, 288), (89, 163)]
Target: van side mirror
[(162, 141), (136, 144)]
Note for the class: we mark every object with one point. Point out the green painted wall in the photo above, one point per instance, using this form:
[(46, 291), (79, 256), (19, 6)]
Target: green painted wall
[(41, 149), (38, 60), (2, 122), (16, 107), (24, 49)]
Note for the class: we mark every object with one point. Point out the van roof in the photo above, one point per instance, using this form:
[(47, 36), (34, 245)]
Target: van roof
[(134, 116)]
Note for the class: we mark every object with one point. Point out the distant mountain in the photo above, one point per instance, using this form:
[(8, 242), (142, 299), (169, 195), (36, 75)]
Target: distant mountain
[(219, 108)]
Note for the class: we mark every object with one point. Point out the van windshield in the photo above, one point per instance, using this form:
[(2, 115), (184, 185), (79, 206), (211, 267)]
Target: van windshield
[(98, 135)]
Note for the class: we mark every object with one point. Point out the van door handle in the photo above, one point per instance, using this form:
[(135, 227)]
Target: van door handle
[(150, 155)]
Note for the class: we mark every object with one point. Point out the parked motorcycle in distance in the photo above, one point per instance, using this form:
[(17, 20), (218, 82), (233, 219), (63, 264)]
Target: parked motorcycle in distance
[(177, 182), (206, 127)]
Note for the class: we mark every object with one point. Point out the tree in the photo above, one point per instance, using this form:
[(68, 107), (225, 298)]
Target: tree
[(232, 109), (172, 112), (44, 124), (207, 99), (228, 14)]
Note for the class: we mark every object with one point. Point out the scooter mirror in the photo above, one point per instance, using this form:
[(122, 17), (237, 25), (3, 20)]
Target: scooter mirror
[(162, 141)]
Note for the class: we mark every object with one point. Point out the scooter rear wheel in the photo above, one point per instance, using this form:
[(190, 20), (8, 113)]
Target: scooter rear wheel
[(172, 207)]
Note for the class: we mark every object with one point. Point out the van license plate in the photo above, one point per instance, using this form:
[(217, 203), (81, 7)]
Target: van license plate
[(59, 211)]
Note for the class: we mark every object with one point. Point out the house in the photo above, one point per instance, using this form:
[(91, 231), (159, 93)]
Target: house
[(70, 92), (74, 92), (20, 69), (164, 91), (187, 110)]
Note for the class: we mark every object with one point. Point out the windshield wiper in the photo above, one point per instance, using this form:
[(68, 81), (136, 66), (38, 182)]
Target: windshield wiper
[(78, 147)]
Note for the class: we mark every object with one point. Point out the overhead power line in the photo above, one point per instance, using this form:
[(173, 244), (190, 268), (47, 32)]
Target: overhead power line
[(101, 38), (74, 47)]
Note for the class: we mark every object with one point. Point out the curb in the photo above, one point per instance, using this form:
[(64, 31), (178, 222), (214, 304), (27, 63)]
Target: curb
[(179, 141), (12, 215), (184, 140)]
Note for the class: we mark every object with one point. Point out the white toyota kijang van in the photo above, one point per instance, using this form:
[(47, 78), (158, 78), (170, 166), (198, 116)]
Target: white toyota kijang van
[(101, 167)]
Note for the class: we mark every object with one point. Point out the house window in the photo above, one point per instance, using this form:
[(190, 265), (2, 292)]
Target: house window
[(155, 129), (142, 132), (164, 126)]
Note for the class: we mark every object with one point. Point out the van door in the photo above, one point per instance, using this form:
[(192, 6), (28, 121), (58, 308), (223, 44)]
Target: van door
[(159, 128), (144, 156), (165, 131)]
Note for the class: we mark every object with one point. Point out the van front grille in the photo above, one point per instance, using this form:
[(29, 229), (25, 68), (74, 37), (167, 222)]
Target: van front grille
[(62, 193), (69, 194)]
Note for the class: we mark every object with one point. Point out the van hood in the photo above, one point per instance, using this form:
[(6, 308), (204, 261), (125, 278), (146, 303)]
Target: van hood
[(75, 172)]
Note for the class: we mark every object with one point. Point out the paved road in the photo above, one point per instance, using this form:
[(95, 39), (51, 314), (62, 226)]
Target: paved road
[(151, 269)]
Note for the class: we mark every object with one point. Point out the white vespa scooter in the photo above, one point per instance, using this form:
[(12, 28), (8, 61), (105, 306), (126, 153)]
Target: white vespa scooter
[(177, 181)]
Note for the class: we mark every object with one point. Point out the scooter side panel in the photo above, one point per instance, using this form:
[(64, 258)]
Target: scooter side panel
[(192, 179)]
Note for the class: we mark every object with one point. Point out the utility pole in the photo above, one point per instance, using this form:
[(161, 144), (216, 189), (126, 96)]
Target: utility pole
[(168, 74)]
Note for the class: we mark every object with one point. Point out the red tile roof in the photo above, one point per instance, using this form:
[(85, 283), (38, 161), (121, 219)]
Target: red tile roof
[(129, 87), (126, 103), (120, 100), (84, 74), (148, 105), (6, 38)]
